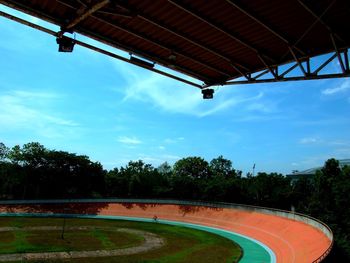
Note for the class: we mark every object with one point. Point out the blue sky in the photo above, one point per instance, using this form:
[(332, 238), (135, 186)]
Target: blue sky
[(88, 103)]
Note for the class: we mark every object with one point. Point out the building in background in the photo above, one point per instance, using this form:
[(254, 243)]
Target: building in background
[(294, 176)]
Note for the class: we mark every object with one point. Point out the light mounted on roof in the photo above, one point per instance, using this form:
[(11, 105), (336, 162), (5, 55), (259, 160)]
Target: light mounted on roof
[(65, 44), (208, 93)]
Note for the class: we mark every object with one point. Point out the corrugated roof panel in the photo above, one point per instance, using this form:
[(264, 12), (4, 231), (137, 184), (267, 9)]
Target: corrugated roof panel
[(199, 31)]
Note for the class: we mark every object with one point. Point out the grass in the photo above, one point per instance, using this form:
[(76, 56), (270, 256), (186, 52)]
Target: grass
[(182, 244)]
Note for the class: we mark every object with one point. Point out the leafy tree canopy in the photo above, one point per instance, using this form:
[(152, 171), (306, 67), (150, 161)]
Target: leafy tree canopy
[(194, 167)]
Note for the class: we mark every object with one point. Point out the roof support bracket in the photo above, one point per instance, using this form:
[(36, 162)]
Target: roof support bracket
[(319, 17), (261, 74), (273, 70), (311, 26), (341, 63), (324, 64), (86, 13), (174, 31), (263, 23), (346, 58), (298, 62), (310, 75), (289, 70), (246, 76), (161, 45), (102, 51), (213, 24)]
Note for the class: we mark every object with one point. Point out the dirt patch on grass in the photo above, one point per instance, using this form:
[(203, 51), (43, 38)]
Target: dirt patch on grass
[(151, 241)]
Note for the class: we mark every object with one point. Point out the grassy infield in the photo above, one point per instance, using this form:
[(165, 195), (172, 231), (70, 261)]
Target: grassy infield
[(182, 244)]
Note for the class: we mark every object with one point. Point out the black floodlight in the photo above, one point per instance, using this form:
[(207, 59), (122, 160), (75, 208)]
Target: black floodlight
[(208, 94), (141, 62), (65, 44)]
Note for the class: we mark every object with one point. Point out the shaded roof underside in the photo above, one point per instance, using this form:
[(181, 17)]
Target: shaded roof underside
[(212, 41)]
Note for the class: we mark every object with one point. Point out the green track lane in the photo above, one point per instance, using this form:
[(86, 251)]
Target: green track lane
[(253, 251)]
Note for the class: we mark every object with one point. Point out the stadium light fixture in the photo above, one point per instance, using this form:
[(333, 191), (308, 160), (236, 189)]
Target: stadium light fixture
[(65, 44), (208, 93)]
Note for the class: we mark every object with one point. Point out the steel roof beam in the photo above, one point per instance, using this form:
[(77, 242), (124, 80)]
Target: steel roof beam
[(139, 35), (272, 71), (20, 6), (53, 33), (288, 70), (247, 76), (162, 45), (298, 61), (222, 30), (338, 53), (346, 58), (146, 55), (310, 27), (86, 13), (324, 64), (102, 12), (310, 77), (153, 21), (319, 17), (261, 22), (102, 39), (261, 74)]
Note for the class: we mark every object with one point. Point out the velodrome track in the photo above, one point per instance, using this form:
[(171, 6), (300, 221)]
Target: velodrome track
[(291, 237)]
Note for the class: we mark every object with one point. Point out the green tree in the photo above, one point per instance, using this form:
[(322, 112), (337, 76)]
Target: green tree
[(144, 180), (15, 154), (271, 190), (193, 167), (165, 169), (34, 154), (302, 190), (221, 167), (4, 152)]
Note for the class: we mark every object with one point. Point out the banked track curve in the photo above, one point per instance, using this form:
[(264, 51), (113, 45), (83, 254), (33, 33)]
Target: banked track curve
[(292, 237)]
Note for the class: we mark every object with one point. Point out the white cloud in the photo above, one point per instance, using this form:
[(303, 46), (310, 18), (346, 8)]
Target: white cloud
[(309, 140), (30, 110), (170, 157), (261, 107), (173, 96), (342, 88), (35, 95), (341, 143), (156, 160), (149, 159), (129, 140), (342, 152), (325, 142), (173, 140), (169, 141), (162, 148)]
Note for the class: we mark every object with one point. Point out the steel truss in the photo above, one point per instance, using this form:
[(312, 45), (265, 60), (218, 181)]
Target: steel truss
[(97, 49), (301, 70)]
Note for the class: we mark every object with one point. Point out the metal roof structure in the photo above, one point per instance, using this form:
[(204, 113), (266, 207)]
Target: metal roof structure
[(312, 171), (219, 42)]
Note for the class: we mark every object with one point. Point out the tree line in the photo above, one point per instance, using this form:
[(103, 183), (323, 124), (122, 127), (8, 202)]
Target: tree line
[(35, 172)]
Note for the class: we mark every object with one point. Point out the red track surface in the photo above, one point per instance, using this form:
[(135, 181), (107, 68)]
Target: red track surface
[(291, 241)]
